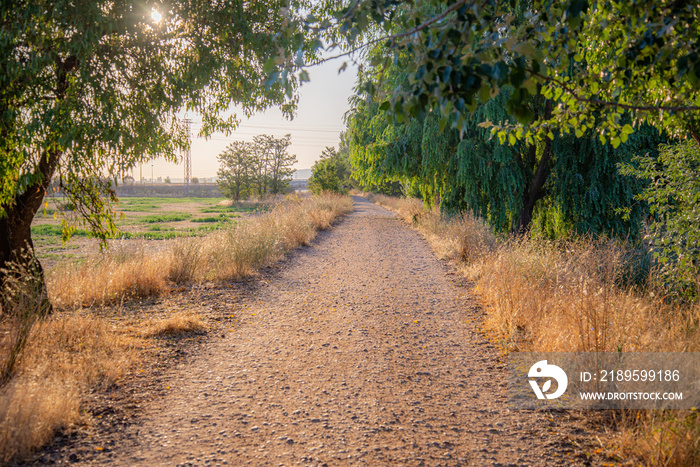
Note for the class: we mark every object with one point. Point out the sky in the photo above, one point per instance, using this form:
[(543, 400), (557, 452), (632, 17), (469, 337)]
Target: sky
[(317, 123)]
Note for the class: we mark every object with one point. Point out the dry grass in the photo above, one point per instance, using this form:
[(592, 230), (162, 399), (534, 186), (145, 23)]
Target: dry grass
[(128, 270), (572, 296), (265, 239), (175, 325), (651, 438), (64, 355)]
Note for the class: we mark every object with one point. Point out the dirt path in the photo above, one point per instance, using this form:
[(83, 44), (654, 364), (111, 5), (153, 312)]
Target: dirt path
[(360, 350)]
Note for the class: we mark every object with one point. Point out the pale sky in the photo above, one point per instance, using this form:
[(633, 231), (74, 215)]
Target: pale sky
[(317, 123)]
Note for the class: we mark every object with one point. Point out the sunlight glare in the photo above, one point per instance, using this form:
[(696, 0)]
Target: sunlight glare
[(156, 16)]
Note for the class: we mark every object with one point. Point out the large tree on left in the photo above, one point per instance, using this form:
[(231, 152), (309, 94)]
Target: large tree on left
[(90, 88)]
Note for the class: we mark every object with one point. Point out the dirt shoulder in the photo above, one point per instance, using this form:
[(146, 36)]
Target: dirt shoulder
[(361, 349)]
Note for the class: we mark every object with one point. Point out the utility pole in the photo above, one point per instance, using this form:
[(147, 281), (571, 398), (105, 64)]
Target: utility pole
[(187, 158)]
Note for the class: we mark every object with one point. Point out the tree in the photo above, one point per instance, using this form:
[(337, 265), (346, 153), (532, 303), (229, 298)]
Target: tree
[(237, 170), (95, 87), (502, 183), (257, 166), (673, 196), (280, 163), (331, 172), (273, 163), (167, 180), (599, 62)]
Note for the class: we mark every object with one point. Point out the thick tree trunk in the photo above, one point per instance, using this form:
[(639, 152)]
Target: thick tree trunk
[(15, 228), (16, 244), (695, 135)]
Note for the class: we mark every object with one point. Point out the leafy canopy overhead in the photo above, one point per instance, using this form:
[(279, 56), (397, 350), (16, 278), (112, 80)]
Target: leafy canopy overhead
[(596, 59), (90, 88)]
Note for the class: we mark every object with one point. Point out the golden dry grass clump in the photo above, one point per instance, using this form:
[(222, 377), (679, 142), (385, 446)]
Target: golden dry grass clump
[(179, 323), (265, 239), (125, 270), (64, 355)]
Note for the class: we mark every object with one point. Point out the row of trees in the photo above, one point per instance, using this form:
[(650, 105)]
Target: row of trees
[(258, 167), (538, 116), (564, 184)]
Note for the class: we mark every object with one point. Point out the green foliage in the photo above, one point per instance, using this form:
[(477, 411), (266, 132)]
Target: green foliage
[(599, 60), (276, 162), (331, 172), (673, 196), (52, 230), (167, 217), (588, 194), (210, 219), (237, 170), (97, 87), (258, 166)]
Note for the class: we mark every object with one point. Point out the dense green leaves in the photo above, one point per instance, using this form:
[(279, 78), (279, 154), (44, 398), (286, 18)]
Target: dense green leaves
[(89, 89), (673, 196), (599, 60), (261, 166), (237, 170), (502, 181), (331, 172)]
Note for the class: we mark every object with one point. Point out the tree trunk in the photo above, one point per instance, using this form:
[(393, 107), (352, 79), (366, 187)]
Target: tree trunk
[(695, 136), (15, 228), (16, 244), (535, 189), (534, 192)]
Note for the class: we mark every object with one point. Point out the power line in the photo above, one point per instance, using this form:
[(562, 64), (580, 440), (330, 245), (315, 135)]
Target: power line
[(293, 128)]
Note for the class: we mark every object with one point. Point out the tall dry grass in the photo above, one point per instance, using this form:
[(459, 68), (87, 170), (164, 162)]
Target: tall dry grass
[(63, 357), (128, 270), (75, 350), (575, 295)]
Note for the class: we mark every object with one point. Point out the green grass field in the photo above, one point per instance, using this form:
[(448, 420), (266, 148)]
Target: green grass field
[(150, 218)]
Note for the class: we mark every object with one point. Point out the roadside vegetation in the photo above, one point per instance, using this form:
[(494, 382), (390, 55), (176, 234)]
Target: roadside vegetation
[(583, 294), (144, 218), (49, 362)]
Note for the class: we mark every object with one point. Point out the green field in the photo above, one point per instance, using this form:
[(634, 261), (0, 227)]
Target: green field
[(150, 218)]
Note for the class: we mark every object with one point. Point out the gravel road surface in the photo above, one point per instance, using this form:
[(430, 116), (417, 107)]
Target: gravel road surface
[(362, 349)]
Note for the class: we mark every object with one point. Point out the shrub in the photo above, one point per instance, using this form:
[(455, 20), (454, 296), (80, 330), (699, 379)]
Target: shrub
[(673, 196)]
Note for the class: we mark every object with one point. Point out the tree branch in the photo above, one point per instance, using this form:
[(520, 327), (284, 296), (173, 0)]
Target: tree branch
[(393, 37), (611, 103)]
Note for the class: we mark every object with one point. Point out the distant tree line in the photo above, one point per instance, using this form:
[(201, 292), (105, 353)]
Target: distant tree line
[(256, 168)]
